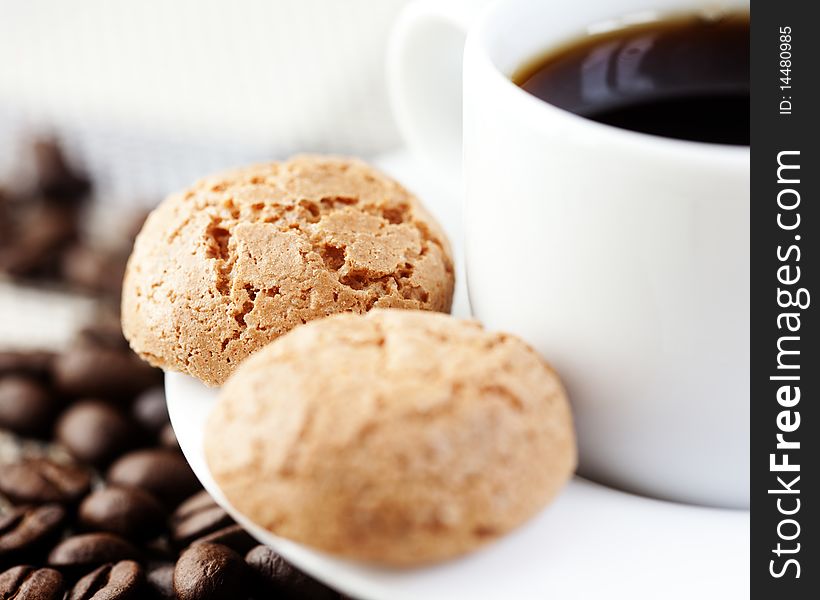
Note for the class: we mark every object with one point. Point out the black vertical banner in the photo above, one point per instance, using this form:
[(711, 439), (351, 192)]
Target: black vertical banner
[(785, 558)]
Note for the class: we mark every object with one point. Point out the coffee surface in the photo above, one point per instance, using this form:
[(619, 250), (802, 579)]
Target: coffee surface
[(684, 77)]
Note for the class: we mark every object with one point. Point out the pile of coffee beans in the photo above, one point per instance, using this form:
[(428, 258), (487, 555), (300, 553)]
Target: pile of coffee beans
[(96, 499), (42, 233)]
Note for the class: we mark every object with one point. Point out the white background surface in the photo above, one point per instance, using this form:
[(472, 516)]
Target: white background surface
[(281, 74)]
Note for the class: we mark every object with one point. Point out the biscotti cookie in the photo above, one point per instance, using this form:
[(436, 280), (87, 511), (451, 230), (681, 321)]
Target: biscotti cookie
[(400, 437), (225, 267)]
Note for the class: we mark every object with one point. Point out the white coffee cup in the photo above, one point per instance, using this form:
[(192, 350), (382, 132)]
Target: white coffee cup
[(622, 257)]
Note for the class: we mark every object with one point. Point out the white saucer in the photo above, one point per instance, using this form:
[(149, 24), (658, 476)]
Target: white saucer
[(593, 542)]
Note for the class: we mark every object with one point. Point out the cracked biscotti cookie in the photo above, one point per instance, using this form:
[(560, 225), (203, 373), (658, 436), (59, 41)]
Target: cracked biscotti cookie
[(400, 437), (221, 269)]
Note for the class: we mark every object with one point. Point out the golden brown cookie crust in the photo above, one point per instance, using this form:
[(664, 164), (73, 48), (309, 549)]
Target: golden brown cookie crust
[(400, 437), (240, 258)]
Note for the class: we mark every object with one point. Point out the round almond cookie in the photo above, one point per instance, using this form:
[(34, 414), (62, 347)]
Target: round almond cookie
[(399, 437), (225, 267)]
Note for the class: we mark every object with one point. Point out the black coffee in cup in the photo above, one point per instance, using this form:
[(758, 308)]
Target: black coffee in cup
[(684, 77)]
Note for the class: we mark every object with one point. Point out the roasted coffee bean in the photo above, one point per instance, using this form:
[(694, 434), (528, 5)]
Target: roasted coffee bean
[(56, 179), (121, 581), (163, 473), (168, 438), (26, 406), (95, 432), (159, 549), (150, 410), (275, 577), (26, 530), (31, 363), (126, 511), (160, 579), (10, 580), (232, 536), (93, 269), (210, 572), (41, 480), (198, 516), (28, 583), (133, 225), (91, 550), (36, 250), (105, 332), (194, 504), (98, 372)]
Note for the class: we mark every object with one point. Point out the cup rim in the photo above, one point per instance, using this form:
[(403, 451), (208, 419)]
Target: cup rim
[(542, 113)]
